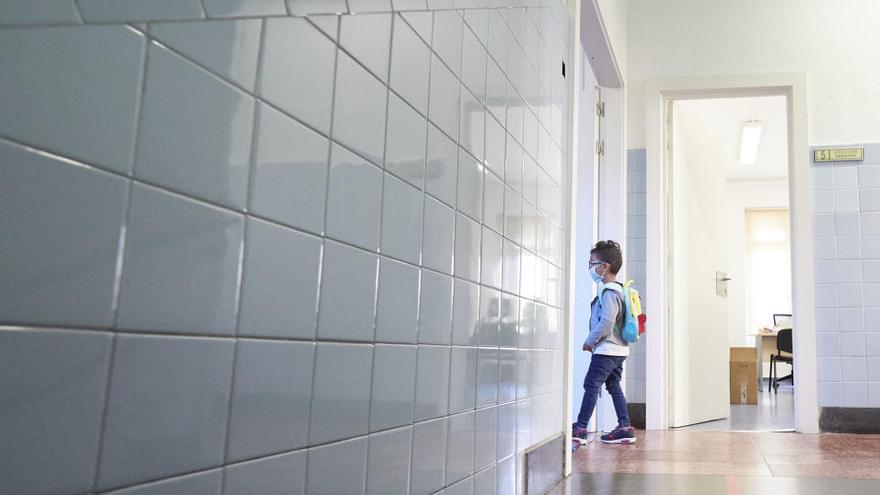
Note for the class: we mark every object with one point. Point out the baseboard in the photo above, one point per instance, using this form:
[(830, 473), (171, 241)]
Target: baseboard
[(544, 463), (637, 414), (861, 420)]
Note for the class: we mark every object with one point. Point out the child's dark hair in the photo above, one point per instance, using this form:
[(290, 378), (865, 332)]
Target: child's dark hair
[(609, 252)]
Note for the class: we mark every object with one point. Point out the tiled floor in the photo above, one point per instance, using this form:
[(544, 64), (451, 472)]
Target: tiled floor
[(737, 454), (774, 412), (691, 462), (687, 484)]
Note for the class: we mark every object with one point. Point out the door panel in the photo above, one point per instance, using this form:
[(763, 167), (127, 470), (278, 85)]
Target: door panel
[(587, 228), (700, 338)]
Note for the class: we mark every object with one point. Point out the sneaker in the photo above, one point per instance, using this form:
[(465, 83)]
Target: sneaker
[(621, 434), (579, 434)]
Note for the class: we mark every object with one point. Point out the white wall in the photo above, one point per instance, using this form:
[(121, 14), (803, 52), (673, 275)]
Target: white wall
[(835, 43), (740, 197), (614, 17)]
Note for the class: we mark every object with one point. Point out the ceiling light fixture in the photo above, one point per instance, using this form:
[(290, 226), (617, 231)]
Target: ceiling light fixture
[(751, 137)]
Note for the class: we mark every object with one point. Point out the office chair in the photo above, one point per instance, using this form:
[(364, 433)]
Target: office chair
[(781, 317), (783, 345)]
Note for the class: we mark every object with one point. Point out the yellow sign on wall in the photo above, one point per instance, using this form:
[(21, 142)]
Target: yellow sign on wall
[(839, 155)]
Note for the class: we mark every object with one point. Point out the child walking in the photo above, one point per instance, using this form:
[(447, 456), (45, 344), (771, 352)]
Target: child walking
[(609, 349)]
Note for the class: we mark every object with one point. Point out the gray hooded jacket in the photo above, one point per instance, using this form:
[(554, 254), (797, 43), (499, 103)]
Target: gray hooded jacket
[(606, 321)]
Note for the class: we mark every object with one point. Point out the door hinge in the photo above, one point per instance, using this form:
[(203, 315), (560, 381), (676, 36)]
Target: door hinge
[(600, 147), (600, 109)]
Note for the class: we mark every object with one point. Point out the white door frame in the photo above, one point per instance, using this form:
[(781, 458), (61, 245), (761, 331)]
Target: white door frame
[(587, 37), (658, 93), (576, 68)]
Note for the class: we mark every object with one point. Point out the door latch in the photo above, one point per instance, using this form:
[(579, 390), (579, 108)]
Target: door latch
[(721, 282)]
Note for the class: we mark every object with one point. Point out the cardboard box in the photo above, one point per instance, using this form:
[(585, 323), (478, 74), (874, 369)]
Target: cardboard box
[(743, 375)]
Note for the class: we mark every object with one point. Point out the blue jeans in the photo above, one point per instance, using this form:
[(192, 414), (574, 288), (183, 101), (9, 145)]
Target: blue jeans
[(607, 370)]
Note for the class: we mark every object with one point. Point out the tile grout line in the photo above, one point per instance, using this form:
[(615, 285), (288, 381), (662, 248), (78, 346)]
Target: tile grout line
[(129, 176), (119, 489), (304, 449), (158, 332), (322, 256), (425, 196), (122, 248), (214, 205), (240, 283), (78, 12), (763, 456), (183, 20), (114, 343), (233, 369), (379, 263), (457, 141), (204, 9), (161, 335)]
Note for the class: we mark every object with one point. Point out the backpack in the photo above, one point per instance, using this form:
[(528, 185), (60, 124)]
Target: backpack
[(634, 321)]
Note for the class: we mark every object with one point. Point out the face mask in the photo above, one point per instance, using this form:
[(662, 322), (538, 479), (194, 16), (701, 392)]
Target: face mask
[(595, 275)]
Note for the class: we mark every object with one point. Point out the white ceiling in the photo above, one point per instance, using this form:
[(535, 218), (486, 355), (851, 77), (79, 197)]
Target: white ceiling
[(711, 131)]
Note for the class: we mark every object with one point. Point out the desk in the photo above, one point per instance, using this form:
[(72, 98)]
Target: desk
[(765, 342)]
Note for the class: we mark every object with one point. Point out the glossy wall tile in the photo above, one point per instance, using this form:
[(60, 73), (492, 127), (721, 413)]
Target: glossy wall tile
[(845, 228), (69, 418), (271, 395), (285, 473), (58, 271), (635, 262), (102, 69), (166, 409), (266, 240)]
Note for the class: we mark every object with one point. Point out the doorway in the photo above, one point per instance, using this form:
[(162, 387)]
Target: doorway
[(683, 373), (729, 264)]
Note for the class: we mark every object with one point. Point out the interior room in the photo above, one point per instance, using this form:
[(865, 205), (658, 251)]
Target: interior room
[(730, 183)]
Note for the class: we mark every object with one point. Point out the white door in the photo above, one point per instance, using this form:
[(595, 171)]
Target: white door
[(611, 206), (700, 338), (586, 232)]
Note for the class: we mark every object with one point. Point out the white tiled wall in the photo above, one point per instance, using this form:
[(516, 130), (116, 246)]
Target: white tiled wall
[(250, 245), (846, 229), (634, 265)]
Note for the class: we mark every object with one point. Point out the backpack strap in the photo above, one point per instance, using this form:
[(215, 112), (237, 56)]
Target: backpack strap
[(614, 286), (617, 288)]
